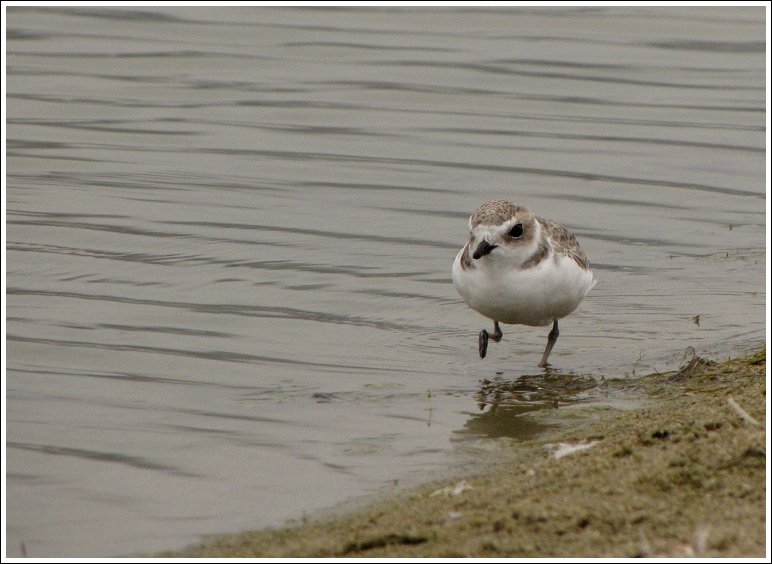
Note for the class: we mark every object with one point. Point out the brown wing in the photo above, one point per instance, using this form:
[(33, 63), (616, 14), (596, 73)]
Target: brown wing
[(564, 243)]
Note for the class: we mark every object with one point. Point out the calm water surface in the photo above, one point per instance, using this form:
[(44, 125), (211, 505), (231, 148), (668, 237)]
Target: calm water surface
[(230, 234)]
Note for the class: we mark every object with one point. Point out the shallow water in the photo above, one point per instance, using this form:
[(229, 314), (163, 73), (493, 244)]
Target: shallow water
[(230, 234)]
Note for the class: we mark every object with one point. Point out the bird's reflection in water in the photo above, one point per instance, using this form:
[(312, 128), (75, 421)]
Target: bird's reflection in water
[(502, 403)]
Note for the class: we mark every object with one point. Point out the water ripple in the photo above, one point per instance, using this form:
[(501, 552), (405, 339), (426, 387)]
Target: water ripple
[(225, 356), (268, 312), (99, 456)]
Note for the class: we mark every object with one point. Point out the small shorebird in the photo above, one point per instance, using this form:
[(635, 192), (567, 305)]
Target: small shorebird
[(520, 268)]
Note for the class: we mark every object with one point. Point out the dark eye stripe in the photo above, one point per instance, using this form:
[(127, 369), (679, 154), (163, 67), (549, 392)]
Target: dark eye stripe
[(517, 231)]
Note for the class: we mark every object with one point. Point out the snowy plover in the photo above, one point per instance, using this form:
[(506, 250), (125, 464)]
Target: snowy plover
[(519, 268)]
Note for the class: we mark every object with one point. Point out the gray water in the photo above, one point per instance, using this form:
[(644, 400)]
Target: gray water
[(230, 233)]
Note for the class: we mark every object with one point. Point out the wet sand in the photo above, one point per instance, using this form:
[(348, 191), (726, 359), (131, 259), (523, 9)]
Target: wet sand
[(684, 475)]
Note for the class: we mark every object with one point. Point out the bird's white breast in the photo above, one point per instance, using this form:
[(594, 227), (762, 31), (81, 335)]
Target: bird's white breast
[(532, 296)]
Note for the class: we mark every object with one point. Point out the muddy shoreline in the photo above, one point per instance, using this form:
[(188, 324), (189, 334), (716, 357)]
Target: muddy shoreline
[(684, 475)]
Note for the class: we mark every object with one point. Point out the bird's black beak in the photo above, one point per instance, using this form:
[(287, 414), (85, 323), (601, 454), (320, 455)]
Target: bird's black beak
[(483, 249)]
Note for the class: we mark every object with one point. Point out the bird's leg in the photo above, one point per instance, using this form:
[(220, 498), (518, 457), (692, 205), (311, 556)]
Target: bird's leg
[(552, 338), (484, 336)]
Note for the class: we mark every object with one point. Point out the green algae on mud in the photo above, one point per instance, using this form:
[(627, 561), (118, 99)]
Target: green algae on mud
[(684, 475)]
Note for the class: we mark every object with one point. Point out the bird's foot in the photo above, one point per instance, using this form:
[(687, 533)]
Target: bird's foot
[(483, 343)]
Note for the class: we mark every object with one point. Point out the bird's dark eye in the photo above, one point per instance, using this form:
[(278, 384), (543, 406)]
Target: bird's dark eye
[(516, 231)]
